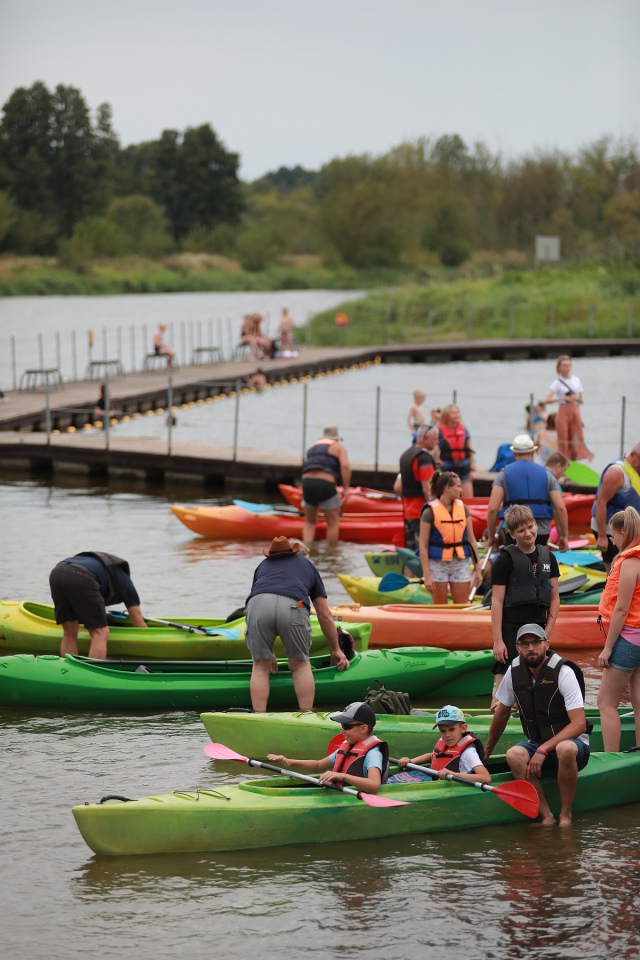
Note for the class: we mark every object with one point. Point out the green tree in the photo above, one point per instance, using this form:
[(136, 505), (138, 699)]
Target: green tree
[(142, 221)]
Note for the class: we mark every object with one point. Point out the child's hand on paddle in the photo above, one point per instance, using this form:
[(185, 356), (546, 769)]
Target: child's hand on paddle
[(280, 759)]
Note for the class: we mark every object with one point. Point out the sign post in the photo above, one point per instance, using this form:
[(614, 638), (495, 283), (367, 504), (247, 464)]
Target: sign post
[(341, 321)]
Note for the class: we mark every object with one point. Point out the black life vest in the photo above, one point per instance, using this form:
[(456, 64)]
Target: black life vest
[(350, 758), (318, 458), (449, 757), (111, 563), (542, 710), (526, 585), (410, 486)]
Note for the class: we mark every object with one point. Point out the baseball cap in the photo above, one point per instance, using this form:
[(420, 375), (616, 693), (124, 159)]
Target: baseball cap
[(358, 712), (533, 628), (449, 714)]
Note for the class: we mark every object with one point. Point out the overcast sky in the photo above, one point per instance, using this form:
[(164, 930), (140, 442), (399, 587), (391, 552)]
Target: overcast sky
[(286, 82)]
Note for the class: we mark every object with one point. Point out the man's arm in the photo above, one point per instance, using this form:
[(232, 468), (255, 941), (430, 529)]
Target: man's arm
[(495, 502), (345, 470), (561, 518), (554, 606), (611, 483), (498, 724), (328, 627)]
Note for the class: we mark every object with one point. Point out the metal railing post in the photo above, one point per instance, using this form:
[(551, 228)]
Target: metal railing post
[(170, 416), (13, 363), (107, 409), (74, 355), (305, 400), (622, 425), (40, 351), (47, 411), (236, 421), (377, 448)]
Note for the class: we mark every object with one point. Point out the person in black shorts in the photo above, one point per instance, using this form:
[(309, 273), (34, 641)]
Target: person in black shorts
[(326, 466), (81, 588), (524, 588)]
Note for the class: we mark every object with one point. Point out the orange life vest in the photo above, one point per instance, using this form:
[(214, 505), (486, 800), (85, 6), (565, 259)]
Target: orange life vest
[(449, 532), (350, 757), (609, 596)]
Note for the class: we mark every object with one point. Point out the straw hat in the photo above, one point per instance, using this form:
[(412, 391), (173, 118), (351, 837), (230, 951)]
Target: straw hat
[(281, 547)]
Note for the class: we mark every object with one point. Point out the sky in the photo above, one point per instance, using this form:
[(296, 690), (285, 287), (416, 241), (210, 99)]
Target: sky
[(287, 82)]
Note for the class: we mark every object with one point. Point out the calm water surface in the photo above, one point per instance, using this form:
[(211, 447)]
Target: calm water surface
[(514, 892), (517, 891)]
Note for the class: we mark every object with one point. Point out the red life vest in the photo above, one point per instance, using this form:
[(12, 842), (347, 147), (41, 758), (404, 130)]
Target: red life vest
[(350, 757), (449, 757), (454, 446), (449, 531)]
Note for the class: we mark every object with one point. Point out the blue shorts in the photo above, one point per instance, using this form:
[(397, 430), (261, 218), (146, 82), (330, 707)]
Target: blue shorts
[(625, 656), (550, 763)]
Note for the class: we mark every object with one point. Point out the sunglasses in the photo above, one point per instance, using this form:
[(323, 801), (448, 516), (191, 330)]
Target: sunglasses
[(350, 726), (530, 643)]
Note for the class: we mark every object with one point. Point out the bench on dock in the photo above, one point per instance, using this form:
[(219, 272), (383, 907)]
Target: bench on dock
[(155, 361), (42, 377), (204, 354), (99, 367)]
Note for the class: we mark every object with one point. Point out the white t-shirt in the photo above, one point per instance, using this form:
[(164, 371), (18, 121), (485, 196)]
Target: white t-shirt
[(470, 759), (560, 390), (567, 685)]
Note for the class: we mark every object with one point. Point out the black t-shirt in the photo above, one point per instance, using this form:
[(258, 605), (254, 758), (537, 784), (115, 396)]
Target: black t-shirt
[(500, 574)]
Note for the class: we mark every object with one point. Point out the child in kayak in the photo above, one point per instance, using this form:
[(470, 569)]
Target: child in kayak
[(360, 761), (457, 751)]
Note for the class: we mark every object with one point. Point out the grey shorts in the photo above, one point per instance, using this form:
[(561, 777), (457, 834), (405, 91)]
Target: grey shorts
[(269, 616), (450, 571)]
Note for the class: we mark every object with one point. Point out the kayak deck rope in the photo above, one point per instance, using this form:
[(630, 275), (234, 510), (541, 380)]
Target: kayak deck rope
[(114, 796)]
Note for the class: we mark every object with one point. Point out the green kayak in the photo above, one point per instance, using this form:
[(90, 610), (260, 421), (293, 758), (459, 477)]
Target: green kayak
[(77, 683), (269, 812), (308, 734), (31, 628)]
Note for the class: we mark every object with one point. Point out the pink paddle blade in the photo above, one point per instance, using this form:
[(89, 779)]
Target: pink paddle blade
[(521, 795), (218, 751), (373, 800)]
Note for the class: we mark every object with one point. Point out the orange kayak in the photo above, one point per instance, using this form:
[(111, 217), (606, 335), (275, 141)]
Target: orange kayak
[(236, 523), (458, 627)]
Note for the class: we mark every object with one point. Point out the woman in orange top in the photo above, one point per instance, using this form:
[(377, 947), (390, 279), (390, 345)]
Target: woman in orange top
[(447, 541), (620, 612)]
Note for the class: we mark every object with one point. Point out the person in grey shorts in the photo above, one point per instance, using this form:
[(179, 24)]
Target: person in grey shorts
[(279, 605)]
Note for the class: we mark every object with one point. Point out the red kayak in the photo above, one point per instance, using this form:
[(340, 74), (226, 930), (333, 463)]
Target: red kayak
[(368, 500)]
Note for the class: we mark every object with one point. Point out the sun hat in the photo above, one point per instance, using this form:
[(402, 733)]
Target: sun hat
[(449, 714), (358, 712), (523, 444), (331, 433), (281, 547), (532, 628)]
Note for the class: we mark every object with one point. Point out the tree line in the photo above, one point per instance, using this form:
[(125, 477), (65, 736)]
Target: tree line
[(68, 188)]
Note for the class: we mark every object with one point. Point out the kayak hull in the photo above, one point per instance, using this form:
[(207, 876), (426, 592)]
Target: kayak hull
[(234, 523), (76, 683), (268, 812), (461, 627), (27, 627), (309, 734)]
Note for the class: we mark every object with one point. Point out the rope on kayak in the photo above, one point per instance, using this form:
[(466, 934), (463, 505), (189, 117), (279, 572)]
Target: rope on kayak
[(114, 796)]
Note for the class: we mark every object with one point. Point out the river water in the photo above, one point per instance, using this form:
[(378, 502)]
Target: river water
[(513, 892)]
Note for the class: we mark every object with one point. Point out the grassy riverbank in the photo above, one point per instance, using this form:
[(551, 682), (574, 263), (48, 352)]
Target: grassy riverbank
[(563, 302)]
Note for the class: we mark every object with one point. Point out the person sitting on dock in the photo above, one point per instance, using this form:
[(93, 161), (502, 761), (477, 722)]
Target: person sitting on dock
[(360, 761), (326, 466), (100, 409), (549, 693), (456, 751), (284, 586), (160, 347), (81, 587)]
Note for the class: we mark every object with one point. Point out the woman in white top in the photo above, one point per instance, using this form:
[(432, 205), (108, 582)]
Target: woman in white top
[(567, 391)]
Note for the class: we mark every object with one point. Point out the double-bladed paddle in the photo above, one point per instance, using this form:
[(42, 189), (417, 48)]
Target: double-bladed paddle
[(395, 581), (230, 634), (518, 793), (218, 751)]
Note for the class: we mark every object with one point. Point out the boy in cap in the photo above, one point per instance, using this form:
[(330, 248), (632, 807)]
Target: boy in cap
[(457, 751), (360, 761)]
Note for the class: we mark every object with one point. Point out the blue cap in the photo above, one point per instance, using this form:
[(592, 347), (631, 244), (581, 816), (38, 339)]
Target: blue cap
[(449, 714)]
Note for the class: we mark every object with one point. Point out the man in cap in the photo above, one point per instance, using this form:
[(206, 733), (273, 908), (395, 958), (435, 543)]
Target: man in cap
[(81, 588), (549, 693), (284, 586), (360, 761), (619, 487), (417, 466), (530, 485), (326, 467)]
